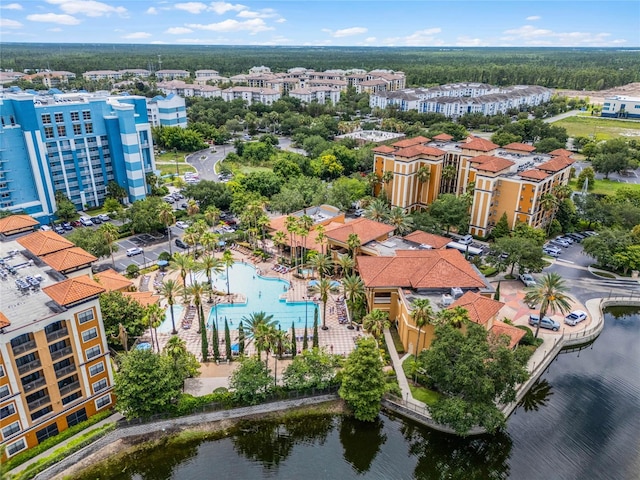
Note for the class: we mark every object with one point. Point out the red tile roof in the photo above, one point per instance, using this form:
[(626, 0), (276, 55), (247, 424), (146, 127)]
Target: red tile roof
[(424, 238), (16, 224), (367, 230), (479, 144), (556, 164), (73, 290), (4, 321), (416, 150), (384, 149), (434, 269), (481, 309), (514, 334), (69, 259), (409, 142), (143, 298), (445, 137), (534, 174), (522, 147), (489, 163), (561, 152), (112, 280), (44, 243)]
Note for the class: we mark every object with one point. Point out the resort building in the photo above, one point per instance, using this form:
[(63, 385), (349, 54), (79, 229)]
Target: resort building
[(621, 107), (204, 76), (183, 89), (163, 75), (55, 366), (51, 79), (321, 95), (169, 111), (510, 179), (115, 74), (72, 143), (251, 95)]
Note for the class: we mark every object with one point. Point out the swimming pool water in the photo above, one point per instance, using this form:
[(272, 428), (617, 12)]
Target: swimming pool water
[(263, 294), (165, 326)]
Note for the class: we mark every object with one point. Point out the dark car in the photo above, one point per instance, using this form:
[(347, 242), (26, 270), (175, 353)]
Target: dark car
[(181, 244), (96, 220), (67, 226), (59, 229)]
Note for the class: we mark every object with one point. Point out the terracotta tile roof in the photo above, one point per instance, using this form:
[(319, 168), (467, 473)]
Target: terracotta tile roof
[(556, 164), (561, 152), (43, 243), (434, 269), (522, 147), (445, 137), (534, 174), (489, 163), (16, 223), (384, 149), (112, 280), (143, 298), (514, 334), (367, 230), (481, 309), (73, 290), (277, 224), (4, 321), (479, 144), (69, 259), (416, 150), (409, 142), (424, 238)]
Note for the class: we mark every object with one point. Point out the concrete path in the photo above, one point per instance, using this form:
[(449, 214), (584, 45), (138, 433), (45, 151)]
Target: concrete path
[(397, 366)]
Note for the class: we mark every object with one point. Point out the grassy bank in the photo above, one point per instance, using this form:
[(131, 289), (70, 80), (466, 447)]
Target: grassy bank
[(605, 187), (599, 128)]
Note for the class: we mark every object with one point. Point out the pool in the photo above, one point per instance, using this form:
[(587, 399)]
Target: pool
[(263, 294), (165, 326)]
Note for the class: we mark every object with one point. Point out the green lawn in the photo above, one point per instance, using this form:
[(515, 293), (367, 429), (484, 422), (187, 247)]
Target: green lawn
[(169, 169), (171, 157), (601, 128), (605, 187), (424, 395)]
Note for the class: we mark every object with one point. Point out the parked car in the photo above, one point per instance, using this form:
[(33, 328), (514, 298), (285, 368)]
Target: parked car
[(104, 217), (566, 239), (86, 221), (67, 226), (96, 220), (180, 243), (575, 317), (589, 233), (134, 251), (177, 195), (76, 224), (181, 224), (59, 229), (169, 199), (546, 322), (561, 242), (45, 228), (528, 280), (551, 250), (466, 240)]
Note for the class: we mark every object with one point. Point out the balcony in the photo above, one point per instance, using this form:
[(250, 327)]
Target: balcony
[(24, 347), (63, 352), (56, 334), (27, 367), (62, 372), (38, 403), (39, 382), (69, 388)]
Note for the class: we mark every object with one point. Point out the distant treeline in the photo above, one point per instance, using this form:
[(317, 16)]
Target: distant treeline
[(570, 68)]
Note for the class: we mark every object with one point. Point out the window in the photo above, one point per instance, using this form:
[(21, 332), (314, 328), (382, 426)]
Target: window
[(76, 417), (62, 131), (88, 127), (99, 385), (4, 391), (16, 447), (71, 398), (41, 413), (46, 118), (48, 132), (86, 115), (46, 432), (58, 117), (103, 401), (89, 334), (75, 116), (85, 316), (7, 411), (1, 371), (93, 352), (11, 429), (77, 129), (96, 369)]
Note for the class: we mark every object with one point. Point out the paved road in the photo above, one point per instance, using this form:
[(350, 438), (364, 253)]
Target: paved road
[(633, 177), (561, 116)]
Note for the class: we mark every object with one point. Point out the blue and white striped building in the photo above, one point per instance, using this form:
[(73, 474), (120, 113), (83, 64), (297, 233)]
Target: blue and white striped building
[(169, 111), (72, 143)]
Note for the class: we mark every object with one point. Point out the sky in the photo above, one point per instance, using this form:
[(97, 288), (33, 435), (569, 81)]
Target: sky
[(513, 23)]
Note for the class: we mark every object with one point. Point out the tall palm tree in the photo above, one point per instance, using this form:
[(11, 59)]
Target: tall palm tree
[(375, 322), (448, 174), (195, 292), (373, 180), (169, 290), (550, 293), (192, 207), (291, 224), (228, 261), (167, 217), (354, 243), (209, 264), (191, 239), (109, 234), (321, 237), (256, 326), (209, 241), (154, 315), (346, 264), (422, 314), (422, 175), (455, 317), (324, 287), (400, 220), (322, 263), (212, 215), (548, 204), (279, 239), (377, 210), (387, 178), (353, 293), (184, 263), (305, 222)]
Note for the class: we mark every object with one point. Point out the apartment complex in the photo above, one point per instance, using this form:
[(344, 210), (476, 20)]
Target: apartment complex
[(621, 107), (169, 111), (72, 143), (55, 367), (116, 74), (510, 179)]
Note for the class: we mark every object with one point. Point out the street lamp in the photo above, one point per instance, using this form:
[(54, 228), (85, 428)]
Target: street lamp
[(144, 257)]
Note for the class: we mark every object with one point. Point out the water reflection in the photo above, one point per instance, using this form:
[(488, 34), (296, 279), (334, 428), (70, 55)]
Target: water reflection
[(537, 396), (361, 442)]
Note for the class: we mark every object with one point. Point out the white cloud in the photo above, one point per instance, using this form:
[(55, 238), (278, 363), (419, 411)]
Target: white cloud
[(53, 18), (152, 11), (223, 7), (533, 18), (253, 26), (275, 40), (178, 30), (136, 35), (12, 6), (90, 8), (191, 7), (281, 20), (56, 29), (346, 32), (420, 38), (528, 35), (6, 23), (262, 13)]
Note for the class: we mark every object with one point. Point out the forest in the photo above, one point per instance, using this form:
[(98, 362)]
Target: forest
[(569, 68)]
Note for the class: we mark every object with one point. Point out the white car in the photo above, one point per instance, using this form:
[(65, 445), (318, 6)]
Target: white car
[(104, 217), (528, 280), (575, 317), (134, 251), (181, 224)]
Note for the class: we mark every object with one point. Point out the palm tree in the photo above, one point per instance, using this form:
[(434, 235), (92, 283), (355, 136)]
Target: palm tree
[(448, 174), (279, 239), (169, 290), (455, 317), (305, 222), (375, 322), (167, 217), (549, 292), (548, 204), (422, 314), (190, 238), (291, 224), (402, 222), (353, 292), (209, 241), (324, 287), (346, 264), (387, 178), (228, 261), (256, 326), (183, 263), (422, 175), (195, 292), (321, 237), (373, 180), (154, 315), (109, 234), (212, 215), (209, 264), (192, 207), (354, 243), (377, 210), (322, 263)]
